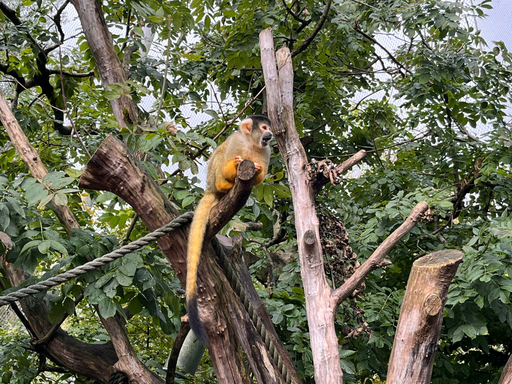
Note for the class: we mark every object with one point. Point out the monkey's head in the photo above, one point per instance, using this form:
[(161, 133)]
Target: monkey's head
[(258, 126)]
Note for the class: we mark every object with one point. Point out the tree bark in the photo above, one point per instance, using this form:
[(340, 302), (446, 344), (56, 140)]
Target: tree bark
[(319, 308), (114, 168), (109, 66), (506, 375), (421, 316), (31, 158)]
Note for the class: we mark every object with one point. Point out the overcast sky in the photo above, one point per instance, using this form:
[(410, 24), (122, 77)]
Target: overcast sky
[(496, 26)]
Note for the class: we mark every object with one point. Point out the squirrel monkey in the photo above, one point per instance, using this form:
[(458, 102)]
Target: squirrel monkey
[(250, 142)]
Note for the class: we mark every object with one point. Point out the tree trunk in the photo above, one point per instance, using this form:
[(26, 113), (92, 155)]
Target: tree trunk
[(506, 375), (93, 361), (114, 168), (421, 317), (319, 308), (109, 66)]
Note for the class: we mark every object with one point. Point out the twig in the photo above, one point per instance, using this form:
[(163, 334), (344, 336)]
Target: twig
[(365, 4), (56, 19), (290, 12), (373, 40), (400, 143), (69, 74), (66, 110), (218, 103), (317, 29), (167, 60)]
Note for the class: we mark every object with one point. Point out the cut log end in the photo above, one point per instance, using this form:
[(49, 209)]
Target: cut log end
[(440, 258)]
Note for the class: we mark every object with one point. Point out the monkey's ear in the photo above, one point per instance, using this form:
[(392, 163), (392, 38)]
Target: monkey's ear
[(246, 126)]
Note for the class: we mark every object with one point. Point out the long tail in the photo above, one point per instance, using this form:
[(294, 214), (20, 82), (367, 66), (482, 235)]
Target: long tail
[(195, 245)]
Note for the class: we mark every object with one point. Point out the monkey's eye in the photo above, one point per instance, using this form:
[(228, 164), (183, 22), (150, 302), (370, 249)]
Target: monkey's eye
[(264, 127)]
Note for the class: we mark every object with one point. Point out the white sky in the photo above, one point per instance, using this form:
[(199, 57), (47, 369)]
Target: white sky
[(496, 27)]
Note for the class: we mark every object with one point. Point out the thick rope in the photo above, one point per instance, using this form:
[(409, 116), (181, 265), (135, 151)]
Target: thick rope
[(96, 263), (234, 281), (118, 378)]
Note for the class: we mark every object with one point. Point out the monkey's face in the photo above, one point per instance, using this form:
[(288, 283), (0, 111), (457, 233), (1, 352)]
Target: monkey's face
[(266, 135)]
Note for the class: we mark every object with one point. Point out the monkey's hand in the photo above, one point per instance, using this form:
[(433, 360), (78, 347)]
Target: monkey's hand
[(238, 160), (258, 167)]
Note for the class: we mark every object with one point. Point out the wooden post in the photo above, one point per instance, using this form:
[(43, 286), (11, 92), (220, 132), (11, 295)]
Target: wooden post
[(421, 317)]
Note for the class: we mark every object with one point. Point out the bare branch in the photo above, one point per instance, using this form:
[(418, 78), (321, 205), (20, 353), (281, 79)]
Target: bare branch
[(57, 19), (373, 40), (377, 258), (290, 12), (317, 29), (334, 174), (70, 74)]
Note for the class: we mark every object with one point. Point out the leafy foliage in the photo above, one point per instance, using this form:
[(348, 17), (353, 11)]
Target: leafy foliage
[(411, 82)]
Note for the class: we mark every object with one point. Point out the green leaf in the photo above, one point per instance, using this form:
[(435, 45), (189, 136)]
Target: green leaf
[(46, 200), (16, 206), (104, 280), (61, 199), (57, 180), (122, 279), (282, 191), (106, 308), (35, 193), (56, 314), (69, 306), (58, 247), (135, 306), (4, 217), (268, 195), (29, 245), (44, 246), (187, 201), (105, 196), (277, 318)]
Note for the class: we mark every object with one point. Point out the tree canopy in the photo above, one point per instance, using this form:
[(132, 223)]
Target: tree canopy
[(412, 83)]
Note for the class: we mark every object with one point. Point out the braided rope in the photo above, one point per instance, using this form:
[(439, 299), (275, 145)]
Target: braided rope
[(96, 263), (234, 281), (118, 378)]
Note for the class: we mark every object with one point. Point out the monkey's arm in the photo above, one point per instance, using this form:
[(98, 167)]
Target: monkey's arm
[(226, 177)]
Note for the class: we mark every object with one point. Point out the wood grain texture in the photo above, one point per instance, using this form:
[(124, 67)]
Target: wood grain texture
[(421, 316)]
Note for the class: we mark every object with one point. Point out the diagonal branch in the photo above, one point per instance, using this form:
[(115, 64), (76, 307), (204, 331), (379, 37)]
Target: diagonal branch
[(57, 19), (334, 174), (317, 29), (376, 260), (293, 14)]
